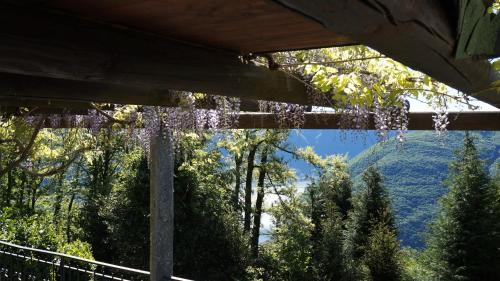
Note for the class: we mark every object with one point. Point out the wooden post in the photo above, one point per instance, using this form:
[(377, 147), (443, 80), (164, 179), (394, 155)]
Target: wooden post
[(161, 207)]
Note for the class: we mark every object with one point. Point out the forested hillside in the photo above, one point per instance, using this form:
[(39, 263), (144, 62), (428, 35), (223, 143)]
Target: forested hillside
[(415, 174)]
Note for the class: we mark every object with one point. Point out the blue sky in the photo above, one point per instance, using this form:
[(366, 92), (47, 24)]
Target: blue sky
[(328, 142)]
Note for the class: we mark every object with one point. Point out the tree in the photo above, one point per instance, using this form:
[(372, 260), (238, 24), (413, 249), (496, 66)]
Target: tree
[(288, 253), (382, 254), (100, 175), (335, 189), (254, 240), (328, 251), (128, 218), (371, 233), (262, 145), (209, 243), (464, 240)]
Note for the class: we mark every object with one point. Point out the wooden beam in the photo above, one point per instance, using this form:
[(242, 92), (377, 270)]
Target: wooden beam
[(18, 111), (25, 88), (460, 121), (463, 121), (161, 207), (420, 34), (30, 91), (48, 44)]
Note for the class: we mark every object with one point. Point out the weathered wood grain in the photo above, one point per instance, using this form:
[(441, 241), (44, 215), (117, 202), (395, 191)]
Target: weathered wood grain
[(241, 26)]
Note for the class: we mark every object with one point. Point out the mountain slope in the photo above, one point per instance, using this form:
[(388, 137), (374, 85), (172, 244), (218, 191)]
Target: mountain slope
[(415, 174)]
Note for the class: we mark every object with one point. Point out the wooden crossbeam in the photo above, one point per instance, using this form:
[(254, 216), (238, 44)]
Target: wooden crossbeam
[(459, 121), (41, 43), (420, 34), (30, 91), (462, 121)]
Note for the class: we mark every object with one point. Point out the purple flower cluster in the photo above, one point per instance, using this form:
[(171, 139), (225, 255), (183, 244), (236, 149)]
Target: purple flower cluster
[(188, 117), (287, 114), (393, 117)]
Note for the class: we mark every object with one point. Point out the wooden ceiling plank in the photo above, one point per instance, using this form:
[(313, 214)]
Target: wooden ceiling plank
[(241, 26)]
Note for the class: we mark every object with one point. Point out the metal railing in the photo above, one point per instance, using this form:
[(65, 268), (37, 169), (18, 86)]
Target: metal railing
[(28, 264)]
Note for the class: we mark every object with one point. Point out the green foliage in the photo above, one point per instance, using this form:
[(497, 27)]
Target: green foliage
[(99, 205), (209, 243), (289, 252), (37, 231), (100, 176), (358, 75), (330, 202), (382, 254), (307, 240), (465, 238), (371, 233), (128, 215), (371, 208), (414, 175), (329, 251), (495, 7)]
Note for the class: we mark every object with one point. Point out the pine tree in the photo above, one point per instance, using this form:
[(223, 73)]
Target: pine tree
[(371, 234), (464, 241), (372, 207)]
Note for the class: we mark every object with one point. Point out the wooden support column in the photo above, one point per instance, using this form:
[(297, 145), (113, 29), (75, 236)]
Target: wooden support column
[(161, 207)]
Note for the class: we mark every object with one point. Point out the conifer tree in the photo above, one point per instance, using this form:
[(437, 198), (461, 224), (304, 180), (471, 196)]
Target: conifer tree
[(371, 234), (464, 243)]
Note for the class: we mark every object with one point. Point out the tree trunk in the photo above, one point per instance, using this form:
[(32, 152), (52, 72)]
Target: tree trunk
[(59, 198), (161, 207), (72, 199), (107, 171), (34, 194), (238, 160), (20, 198), (258, 206), (8, 193), (68, 221), (248, 188)]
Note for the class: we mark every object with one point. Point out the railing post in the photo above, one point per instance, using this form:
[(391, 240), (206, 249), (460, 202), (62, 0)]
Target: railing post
[(161, 206), (61, 270)]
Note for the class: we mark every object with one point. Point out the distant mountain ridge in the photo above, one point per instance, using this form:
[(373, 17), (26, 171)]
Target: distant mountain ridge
[(415, 173)]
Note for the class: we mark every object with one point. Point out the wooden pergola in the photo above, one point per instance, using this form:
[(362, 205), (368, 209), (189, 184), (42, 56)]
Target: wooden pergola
[(58, 55)]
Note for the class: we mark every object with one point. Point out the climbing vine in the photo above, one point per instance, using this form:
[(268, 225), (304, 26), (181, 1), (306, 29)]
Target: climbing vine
[(360, 82)]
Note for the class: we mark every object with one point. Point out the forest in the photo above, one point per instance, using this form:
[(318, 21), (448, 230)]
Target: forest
[(95, 204)]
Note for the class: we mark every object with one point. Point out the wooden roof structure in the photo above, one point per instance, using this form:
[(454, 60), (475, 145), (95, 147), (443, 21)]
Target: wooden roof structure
[(134, 51)]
